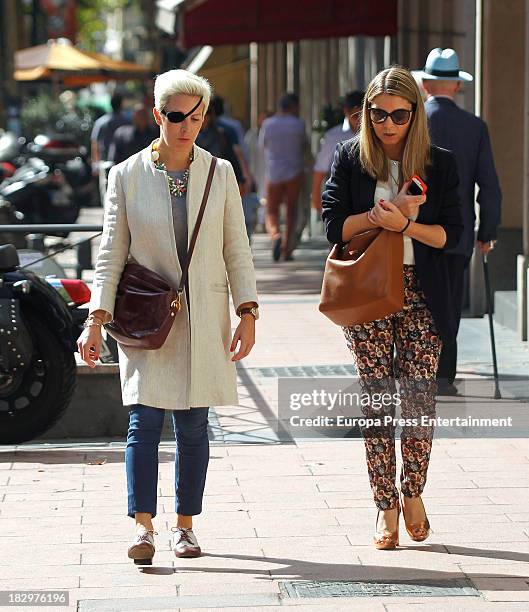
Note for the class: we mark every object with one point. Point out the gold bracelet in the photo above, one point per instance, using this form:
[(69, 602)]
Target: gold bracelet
[(92, 323), (91, 317)]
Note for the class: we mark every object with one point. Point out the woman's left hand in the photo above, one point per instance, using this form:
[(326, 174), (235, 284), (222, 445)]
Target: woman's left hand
[(386, 215), (245, 334)]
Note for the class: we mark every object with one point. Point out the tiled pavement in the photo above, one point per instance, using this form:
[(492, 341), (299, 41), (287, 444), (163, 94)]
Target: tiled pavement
[(272, 513), (275, 509)]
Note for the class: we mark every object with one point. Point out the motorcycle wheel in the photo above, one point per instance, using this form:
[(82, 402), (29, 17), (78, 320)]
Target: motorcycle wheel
[(34, 399)]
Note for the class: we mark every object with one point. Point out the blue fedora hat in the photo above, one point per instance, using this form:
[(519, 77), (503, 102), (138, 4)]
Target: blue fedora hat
[(443, 64)]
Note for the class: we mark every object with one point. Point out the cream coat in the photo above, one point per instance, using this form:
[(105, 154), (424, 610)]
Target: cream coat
[(193, 367)]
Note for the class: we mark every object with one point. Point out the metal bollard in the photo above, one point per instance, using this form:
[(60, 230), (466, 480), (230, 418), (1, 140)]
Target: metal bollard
[(35, 242), (84, 258)]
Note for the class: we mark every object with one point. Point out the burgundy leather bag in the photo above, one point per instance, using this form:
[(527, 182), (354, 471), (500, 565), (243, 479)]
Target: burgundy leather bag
[(146, 304), (364, 279)]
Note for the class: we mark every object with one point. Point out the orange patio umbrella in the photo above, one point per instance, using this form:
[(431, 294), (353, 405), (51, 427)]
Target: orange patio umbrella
[(60, 61)]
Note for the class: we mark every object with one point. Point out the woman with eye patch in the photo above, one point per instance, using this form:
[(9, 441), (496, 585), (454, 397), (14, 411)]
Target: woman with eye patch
[(152, 203), (368, 186)]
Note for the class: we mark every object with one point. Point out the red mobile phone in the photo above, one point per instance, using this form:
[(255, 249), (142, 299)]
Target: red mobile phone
[(418, 186)]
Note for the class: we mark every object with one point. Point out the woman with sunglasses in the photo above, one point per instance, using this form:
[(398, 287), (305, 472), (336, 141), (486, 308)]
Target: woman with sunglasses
[(368, 188), (151, 207)]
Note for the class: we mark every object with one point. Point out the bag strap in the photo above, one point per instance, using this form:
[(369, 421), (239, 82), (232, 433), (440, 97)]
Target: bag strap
[(197, 224)]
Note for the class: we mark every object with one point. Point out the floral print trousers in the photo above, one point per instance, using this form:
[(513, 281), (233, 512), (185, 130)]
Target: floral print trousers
[(412, 335)]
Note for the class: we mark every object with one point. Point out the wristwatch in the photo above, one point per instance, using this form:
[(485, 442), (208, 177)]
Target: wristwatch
[(254, 310)]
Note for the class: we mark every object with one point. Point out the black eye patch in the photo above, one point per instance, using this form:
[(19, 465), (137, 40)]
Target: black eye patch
[(178, 116)]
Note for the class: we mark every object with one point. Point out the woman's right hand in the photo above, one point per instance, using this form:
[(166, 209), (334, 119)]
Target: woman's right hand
[(408, 204), (386, 215), (89, 345)]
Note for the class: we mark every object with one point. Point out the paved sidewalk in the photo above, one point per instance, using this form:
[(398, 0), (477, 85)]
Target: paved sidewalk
[(277, 510)]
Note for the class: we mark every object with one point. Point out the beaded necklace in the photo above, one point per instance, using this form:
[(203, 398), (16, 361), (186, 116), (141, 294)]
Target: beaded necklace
[(178, 186)]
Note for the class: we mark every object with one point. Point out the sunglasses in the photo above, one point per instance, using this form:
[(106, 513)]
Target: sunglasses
[(400, 116), (178, 116)]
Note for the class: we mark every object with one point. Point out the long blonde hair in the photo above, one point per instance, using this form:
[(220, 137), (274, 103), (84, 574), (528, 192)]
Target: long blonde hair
[(395, 81)]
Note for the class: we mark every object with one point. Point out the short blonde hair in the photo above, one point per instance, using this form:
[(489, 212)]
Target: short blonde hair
[(180, 81), (395, 81)]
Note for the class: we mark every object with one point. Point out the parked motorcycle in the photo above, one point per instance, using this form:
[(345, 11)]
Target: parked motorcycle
[(40, 322), (40, 194), (10, 154), (52, 180), (10, 216), (63, 153), (10, 147)]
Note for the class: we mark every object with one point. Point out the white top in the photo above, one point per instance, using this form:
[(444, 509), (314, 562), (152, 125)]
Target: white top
[(387, 190)]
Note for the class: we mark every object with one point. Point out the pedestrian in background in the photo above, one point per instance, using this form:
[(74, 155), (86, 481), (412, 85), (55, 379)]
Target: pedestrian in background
[(129, 139), (467, 136), (235, 133), (195, 367), (352, 110), (102, 134), (214, 139), (284, 141), (256, 155), (104, 129), (367, 188)]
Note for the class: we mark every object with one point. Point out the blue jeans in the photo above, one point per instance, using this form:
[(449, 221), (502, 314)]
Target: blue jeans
[(191, 459)]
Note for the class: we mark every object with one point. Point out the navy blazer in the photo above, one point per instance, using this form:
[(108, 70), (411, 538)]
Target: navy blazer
[(350, 191), (467, 137)]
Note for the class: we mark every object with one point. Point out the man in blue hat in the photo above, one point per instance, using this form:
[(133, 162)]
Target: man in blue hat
[(467, 136)]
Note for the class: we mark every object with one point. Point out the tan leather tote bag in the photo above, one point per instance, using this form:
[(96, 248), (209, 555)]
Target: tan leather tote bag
[(364, 280)]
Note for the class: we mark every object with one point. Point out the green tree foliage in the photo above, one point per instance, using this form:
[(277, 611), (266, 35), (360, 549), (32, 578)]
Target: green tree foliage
[(91, 20)]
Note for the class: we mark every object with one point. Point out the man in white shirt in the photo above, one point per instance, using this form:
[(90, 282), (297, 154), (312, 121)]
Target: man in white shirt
[(352, 110)]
